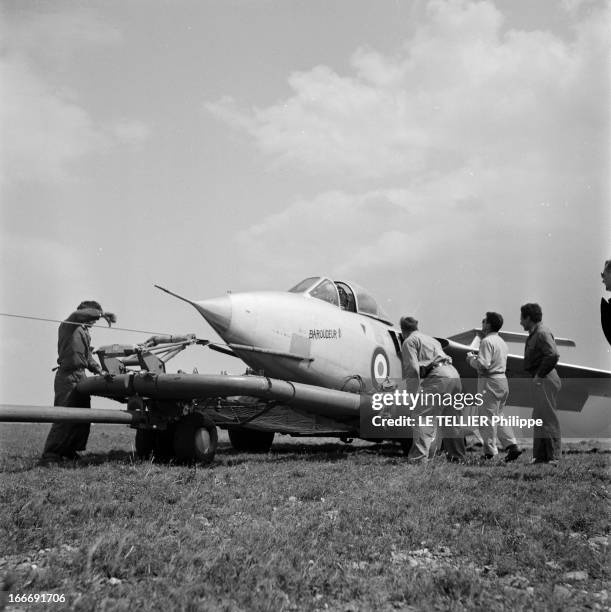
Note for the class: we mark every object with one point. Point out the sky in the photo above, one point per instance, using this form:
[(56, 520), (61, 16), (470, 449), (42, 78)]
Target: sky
[(451, 156)]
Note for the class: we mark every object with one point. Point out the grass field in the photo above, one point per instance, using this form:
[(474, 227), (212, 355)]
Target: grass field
[(309, 526)]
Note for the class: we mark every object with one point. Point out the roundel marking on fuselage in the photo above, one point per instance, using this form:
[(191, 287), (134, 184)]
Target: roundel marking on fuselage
[(380, 367)]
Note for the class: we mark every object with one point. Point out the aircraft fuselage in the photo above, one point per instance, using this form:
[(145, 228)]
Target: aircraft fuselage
[(294, 336)]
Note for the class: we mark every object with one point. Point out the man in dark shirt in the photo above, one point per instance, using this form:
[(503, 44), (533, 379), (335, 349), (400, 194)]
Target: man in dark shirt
[(74, 357), (605, 306), (540, 358)]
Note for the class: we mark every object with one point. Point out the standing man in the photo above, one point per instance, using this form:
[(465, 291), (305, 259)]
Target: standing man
[(540, 358), (74, 357), (605, 306), (491, 363), (426, 365)]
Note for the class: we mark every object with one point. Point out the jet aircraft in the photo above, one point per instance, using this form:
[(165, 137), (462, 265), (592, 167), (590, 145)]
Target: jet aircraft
[(315, 355)]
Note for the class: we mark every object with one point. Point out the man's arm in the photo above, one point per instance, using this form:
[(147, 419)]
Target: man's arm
[(482, 361), (81, 351), (548, 348), (91, 315), (484, 358), (84, 315), (411, 366), (92, 365)]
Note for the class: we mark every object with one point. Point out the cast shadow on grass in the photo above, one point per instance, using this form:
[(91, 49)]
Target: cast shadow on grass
[(388, 452), (115, 456), (281, 452), (326, 452), (112, 456)]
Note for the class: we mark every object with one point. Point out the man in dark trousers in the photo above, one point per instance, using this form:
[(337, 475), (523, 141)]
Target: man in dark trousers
[(427, 367), (540, 358), (74, 357)]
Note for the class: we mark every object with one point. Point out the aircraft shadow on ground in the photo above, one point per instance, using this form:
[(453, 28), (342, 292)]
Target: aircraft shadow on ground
[(280, 453), (228, 456), (284, 452)]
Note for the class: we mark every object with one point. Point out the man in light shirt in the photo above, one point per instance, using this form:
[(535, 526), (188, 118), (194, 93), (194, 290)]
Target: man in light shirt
[(491, 363), (426, 367)]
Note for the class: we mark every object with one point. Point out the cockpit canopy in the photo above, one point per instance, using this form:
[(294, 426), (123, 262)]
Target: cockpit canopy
[(346, 295)]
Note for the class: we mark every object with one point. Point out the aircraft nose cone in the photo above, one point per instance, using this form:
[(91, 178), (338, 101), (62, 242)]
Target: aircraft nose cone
[(217, 312)]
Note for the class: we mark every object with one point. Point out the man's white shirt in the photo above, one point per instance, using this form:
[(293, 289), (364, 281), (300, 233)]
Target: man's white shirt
[(492, 357)]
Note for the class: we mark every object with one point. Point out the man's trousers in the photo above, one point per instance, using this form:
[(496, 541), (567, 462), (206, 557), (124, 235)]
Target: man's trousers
[(546, 437), (495, 391), (65, 439), (445, 381)]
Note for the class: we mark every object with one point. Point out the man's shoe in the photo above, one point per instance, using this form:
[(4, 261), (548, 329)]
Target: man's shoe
[(49, 459), (513, 452), (417, 460), (553, 462)]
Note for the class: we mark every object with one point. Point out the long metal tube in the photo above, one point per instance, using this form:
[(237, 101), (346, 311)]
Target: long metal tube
[(55, 414), (328, 402)]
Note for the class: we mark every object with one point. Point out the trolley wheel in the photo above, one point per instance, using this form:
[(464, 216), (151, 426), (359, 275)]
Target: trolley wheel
[(195, 439)]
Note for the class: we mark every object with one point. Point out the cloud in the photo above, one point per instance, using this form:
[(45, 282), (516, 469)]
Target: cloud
[(575, 6), (50, 36), (460, 87), (45, 129), (133, 133), (33, 269), (41, 277), (474, 222), (380, 229), (484, 137)]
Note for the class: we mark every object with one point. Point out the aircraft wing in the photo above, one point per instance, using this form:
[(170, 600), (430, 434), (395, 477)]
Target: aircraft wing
[(468, 336), (331, 403), (578, 382)]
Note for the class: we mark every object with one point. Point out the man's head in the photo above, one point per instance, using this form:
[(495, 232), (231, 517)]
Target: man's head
[(89, 304), (408, 325), (606, 275), (492, 322), (530, 315)]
